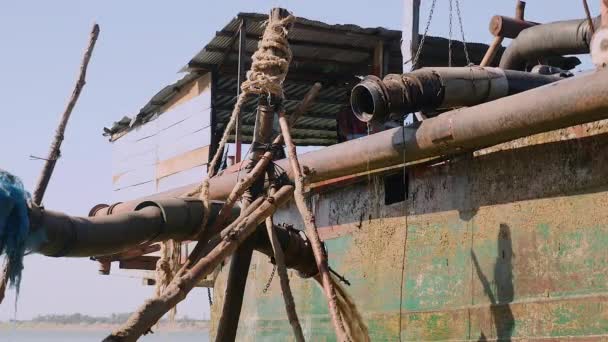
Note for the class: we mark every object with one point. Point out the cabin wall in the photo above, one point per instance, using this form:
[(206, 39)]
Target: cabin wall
[(169, 151), (506, 243)]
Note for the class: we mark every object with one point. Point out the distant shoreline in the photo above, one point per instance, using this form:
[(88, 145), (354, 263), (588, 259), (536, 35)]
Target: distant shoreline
[(164, 326)]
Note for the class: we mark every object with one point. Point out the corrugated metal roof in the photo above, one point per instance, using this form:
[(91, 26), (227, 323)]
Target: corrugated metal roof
[(331, 54)]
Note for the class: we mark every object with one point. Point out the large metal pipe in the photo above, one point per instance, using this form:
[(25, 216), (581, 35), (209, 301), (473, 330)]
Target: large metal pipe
[(559, 38), (373, 100), (507, 27), (561, 104), (179, 219), (61, 235)]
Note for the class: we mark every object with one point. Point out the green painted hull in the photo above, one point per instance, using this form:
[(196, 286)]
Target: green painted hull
[(507, 244)]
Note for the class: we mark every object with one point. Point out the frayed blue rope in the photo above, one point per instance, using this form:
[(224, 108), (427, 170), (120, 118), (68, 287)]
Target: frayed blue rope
[(14, 224)]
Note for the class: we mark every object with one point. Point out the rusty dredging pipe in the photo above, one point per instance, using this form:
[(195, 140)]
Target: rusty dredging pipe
[(62, 235), (373, 100), (152, 221), (559, 38), (569, 102)]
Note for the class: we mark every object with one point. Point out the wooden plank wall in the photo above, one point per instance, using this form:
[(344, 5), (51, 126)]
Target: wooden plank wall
[(169, 151)]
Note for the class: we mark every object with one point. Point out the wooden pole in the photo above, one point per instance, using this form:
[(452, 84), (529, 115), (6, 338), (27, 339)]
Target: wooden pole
[(409, 33), (488, 58), (491, 52), (311, 231), (240, 78), (55, 151), (279, 259)]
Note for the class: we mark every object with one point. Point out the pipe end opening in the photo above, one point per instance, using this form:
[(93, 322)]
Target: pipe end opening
[(362, 103)]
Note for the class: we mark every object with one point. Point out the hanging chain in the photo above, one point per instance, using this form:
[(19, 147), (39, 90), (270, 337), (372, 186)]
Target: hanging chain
[(450, 36), (464, 41), (274, 269), (426, 30)]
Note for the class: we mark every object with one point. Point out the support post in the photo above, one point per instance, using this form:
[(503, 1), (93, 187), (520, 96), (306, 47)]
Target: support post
[(378, 63), (241, 260), (409, 38), (54, 153), (240, 78)]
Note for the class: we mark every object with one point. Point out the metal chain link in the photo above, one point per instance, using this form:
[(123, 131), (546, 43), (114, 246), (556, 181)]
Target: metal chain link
[(426, 30), (464, 41), (450, 36), (209, 296), (274, 269)]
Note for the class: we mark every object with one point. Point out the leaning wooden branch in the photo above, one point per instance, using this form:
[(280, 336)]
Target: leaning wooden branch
[(154, 309), (279, 259), (55, 150), (54, 153), (311, 230)]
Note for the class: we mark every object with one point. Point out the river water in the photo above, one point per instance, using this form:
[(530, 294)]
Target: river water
[(19, 335)]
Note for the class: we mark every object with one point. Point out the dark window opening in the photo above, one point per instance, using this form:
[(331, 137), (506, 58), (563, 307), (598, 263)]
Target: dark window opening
[(395, 188)]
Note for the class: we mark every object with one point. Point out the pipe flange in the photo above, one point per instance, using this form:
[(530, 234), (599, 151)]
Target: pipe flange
[(369, 100), (97, 208), (111, 207)]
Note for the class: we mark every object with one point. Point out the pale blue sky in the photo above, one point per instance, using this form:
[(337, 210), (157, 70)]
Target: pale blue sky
[(141, 46)]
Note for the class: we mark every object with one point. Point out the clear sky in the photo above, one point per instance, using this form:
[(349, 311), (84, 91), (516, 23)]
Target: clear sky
[(141, 46)]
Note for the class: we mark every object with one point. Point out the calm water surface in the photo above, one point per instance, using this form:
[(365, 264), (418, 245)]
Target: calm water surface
[(82, 336)]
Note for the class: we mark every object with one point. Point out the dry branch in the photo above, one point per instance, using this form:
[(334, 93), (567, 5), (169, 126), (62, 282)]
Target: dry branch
[(279, 259), (55, 150), (311, 230), (154, 309)]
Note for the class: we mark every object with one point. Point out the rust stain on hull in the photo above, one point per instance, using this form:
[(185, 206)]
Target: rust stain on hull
[(509, 243)]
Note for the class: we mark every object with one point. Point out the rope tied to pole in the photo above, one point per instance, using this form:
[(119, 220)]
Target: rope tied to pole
[(270, 62)]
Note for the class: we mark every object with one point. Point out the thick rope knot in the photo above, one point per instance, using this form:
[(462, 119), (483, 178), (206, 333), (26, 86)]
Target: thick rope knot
[(271, 61)]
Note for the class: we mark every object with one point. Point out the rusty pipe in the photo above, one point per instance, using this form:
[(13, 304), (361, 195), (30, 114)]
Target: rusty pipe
[(569, 102), (559, 38), (61, 235), (373, 100), (507, 27), (178, 219)]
